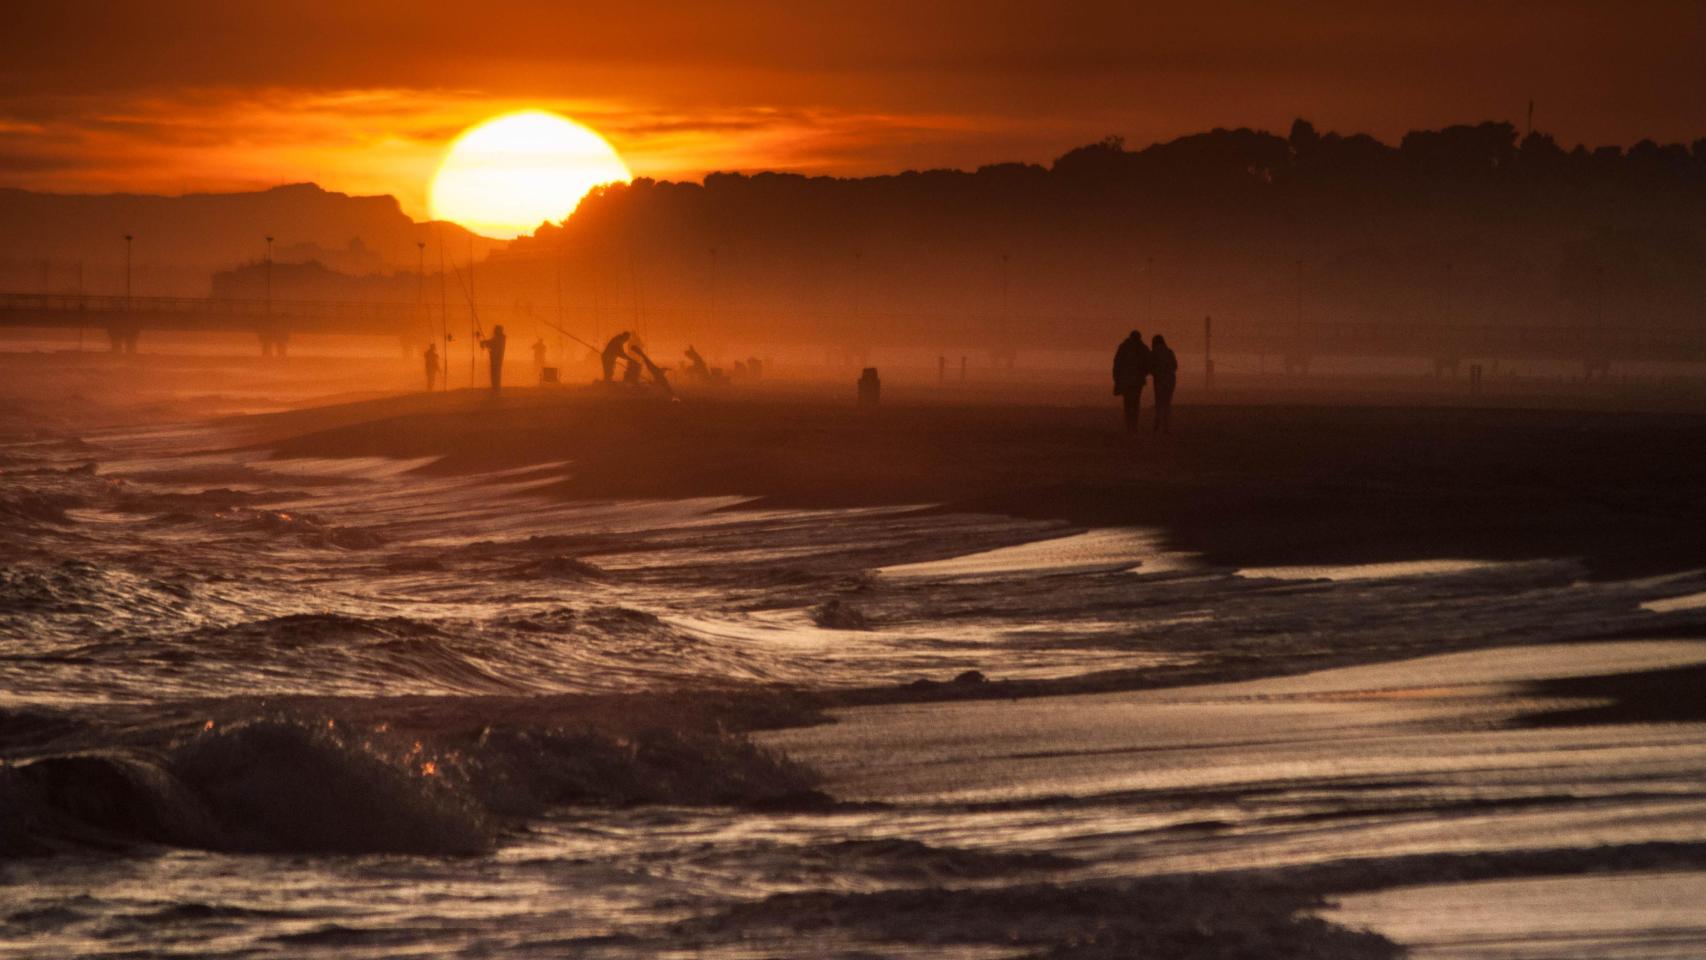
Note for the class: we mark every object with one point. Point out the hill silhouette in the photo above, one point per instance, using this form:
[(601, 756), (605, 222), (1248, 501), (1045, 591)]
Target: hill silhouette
[(181, 241), (1467, 224)]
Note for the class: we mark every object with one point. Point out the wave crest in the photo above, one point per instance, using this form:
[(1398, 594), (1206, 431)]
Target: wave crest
[(282, 784)]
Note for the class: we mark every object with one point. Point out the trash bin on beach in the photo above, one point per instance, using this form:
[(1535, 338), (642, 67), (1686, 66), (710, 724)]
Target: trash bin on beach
[(870, 387)]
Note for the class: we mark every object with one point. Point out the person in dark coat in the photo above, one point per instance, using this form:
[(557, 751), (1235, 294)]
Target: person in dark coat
[(494, 345), (1131, 369), (430, 357), (613, 351), (1164, 367)]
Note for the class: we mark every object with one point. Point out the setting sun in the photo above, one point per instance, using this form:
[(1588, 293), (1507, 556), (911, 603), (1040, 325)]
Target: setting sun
[(504, 177)]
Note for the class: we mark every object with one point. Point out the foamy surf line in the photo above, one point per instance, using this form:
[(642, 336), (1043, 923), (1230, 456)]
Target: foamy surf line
[(1310, 724), (1395, 570), (1102, 550)]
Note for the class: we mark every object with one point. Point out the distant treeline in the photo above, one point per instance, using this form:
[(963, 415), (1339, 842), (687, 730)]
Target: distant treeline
[(1464, 225)]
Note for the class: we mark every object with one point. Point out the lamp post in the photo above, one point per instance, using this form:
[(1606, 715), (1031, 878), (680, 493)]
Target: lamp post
[(711, 297), (121, 331), (1149, 292), (420, 281), (269, 277), (1006, 339), (1300, 303)]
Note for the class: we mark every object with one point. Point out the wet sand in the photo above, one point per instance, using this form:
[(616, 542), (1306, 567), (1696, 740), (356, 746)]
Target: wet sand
[(1414, 793), (1242, 485), (1175, 822)]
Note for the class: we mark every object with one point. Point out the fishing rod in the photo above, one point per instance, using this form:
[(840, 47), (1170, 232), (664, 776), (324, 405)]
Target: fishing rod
[(481, 330), (468, 294), (443, 311), (473, 314), (589, 346)]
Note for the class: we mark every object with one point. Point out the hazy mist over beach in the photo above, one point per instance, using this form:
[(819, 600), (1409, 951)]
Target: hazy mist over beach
[(852, 481)]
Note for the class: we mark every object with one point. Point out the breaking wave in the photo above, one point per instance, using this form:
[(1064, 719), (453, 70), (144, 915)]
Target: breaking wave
[(291, 785), (306, 529), (37, 508)]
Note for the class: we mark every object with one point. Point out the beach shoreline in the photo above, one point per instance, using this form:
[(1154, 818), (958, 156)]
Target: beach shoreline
[(1242, 486)]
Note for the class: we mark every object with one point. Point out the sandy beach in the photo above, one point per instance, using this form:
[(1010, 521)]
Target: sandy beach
[(762, 673), (1252, 485)]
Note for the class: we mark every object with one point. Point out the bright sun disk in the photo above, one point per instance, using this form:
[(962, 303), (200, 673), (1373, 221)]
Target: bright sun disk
[(504, 177)]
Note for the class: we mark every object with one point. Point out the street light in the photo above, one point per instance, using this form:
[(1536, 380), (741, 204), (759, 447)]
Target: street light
[(269, 276), (1149, 292), (1300, 301)]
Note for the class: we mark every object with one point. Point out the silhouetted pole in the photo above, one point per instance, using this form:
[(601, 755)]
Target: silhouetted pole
[(1599, 300), (1300, 306), (473, 320), (128, 306), (561, 243), (1006, 316), (79, 306), (1149, 292), (266, 327), (858, 284), (420, 287), (1006, 259), (1208, 352), (1446, 295), (711, 294), (1599, 320), (852, 340), (443, 313), (269, 329), (420, 277)]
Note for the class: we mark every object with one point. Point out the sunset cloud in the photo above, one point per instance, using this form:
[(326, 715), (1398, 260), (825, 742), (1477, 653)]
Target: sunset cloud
[(364, 97), (391, 141)]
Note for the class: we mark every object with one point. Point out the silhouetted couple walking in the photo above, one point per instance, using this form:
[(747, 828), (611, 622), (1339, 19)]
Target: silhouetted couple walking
[(1134, 364)]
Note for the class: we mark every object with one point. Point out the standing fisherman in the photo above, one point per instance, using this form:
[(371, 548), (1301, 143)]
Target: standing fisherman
[(1131, 369), (614, 350), (495, 345), (431, 358)]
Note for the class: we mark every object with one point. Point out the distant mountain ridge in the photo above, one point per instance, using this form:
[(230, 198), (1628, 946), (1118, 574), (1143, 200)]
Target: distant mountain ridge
[(180, 241), (1471, 225)]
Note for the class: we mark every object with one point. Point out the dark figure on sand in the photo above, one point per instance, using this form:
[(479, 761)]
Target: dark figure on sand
[(494, 345), (1164, 367), (1131, 369), (870, 388), (539, 352), (696, 368), (430, 358), (660, 376), (613, 351)]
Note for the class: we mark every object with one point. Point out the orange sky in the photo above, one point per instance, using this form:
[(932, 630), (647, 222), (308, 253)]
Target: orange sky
[(169, 96)]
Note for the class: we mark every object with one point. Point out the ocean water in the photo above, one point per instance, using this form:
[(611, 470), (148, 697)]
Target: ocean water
[(253, 706)]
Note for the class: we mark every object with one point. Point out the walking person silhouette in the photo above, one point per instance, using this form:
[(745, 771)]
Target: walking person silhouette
[(1131, 369), (1164, 367)]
